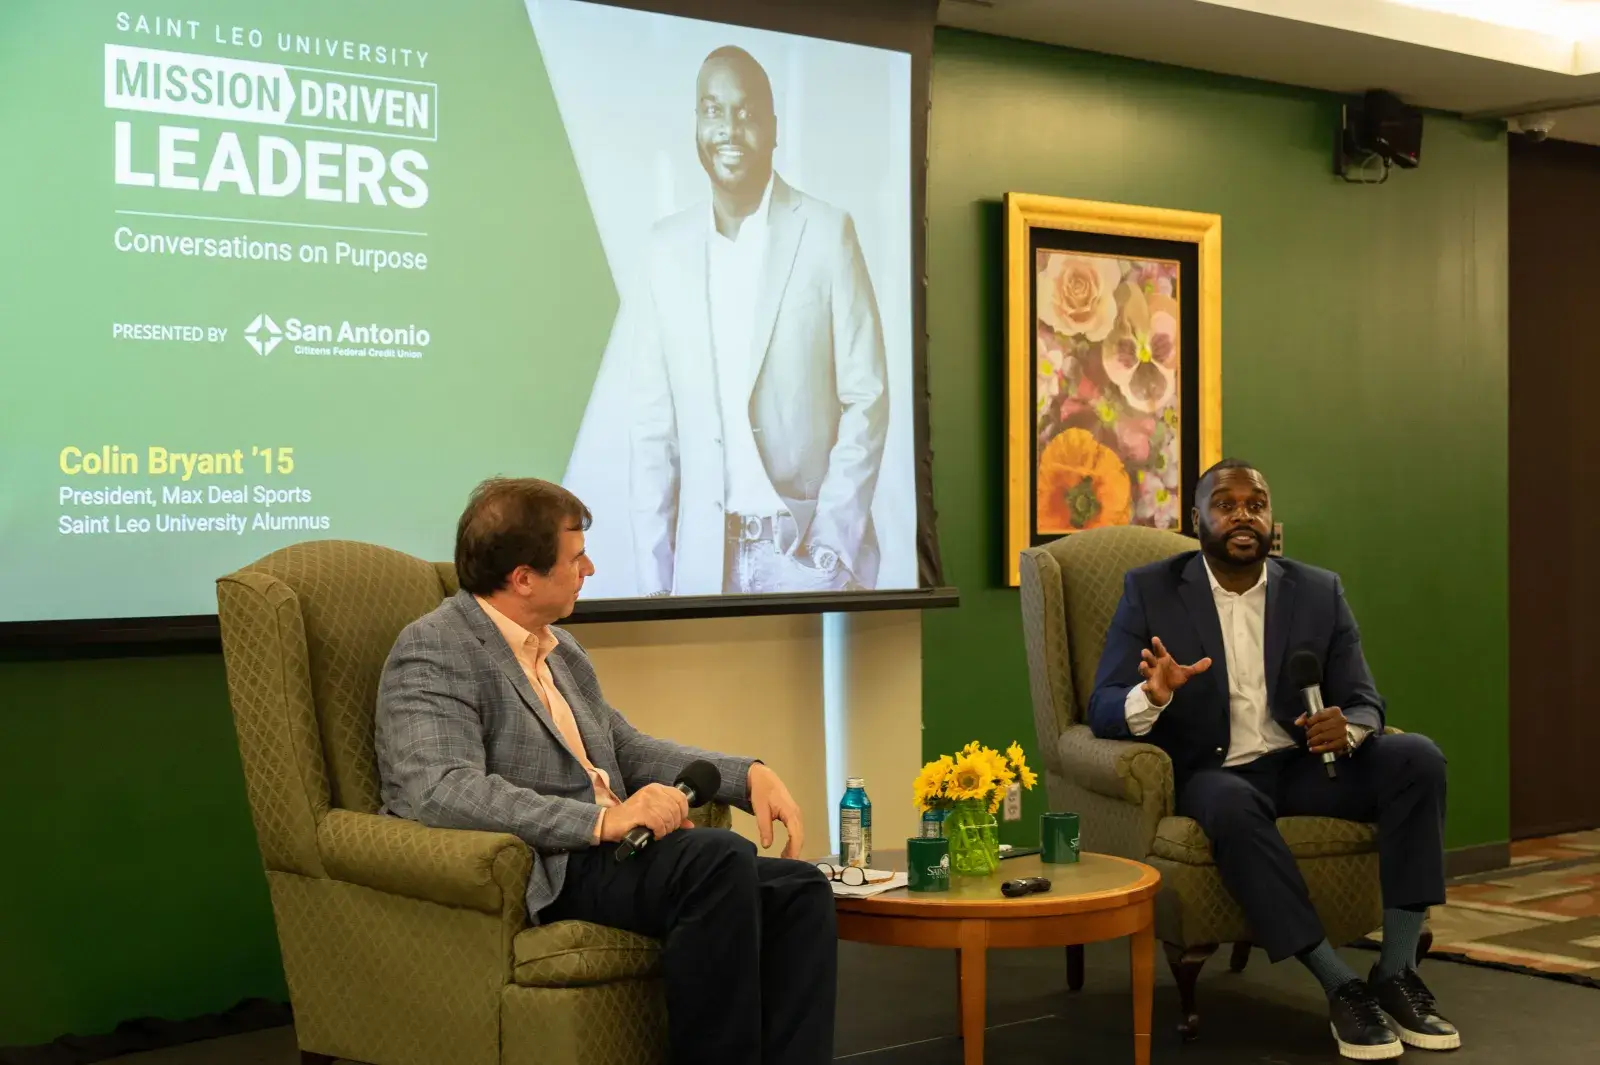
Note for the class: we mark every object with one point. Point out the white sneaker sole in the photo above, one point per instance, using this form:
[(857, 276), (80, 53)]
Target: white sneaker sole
[(1381, 1052), (1422, 1040)]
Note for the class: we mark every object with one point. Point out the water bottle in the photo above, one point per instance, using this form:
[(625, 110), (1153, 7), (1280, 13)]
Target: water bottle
[(933, 823), (855, 824)]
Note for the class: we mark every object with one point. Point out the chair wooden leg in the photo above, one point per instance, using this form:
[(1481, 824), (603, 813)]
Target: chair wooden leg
[(310, 1057), (1424, 944), (1075, 967), (1240, 958), (1186, 966)]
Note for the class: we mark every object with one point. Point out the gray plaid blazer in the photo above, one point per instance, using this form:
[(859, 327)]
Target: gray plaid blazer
[(463, 741)]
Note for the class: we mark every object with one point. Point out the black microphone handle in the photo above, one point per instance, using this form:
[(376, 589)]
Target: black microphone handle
[(639, 837), (1313, 697)]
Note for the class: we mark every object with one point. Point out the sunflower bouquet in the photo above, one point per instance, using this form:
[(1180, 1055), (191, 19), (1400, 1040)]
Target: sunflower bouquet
[(970, 786), (974, 774)]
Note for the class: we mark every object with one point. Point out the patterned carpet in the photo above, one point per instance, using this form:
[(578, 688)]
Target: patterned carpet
[(1542, 915)]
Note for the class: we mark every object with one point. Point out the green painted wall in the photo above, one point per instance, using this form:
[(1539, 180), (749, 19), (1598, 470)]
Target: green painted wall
[(1364, 367), (131, 883)]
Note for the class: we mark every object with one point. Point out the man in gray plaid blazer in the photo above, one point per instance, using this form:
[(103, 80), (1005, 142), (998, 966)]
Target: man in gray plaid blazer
[(491, 718)]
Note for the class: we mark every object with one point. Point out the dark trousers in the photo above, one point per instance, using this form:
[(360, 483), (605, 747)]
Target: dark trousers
[(749, 953), (1397, 781)]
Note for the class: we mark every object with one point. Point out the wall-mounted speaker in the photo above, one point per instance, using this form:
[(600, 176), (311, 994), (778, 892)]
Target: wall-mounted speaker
[(1377, 127)]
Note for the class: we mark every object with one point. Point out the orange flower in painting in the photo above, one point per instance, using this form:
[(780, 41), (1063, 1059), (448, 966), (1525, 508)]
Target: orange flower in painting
[(1082, 484)]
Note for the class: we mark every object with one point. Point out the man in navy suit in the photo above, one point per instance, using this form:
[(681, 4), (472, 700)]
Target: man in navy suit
[(1245, 752)]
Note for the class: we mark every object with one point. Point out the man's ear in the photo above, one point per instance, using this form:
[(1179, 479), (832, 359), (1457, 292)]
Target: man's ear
[(1194, 519)]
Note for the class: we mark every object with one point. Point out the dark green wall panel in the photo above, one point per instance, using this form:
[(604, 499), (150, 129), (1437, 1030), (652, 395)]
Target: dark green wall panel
[(132, 885), (1364, 368)]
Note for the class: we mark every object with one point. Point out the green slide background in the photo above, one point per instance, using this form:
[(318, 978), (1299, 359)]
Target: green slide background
[(517, 296)]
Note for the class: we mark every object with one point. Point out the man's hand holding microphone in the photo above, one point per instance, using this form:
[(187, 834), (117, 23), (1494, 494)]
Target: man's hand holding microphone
[(660, 808), (655, 810)]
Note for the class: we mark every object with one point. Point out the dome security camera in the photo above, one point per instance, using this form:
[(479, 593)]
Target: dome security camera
[(1535, 127)]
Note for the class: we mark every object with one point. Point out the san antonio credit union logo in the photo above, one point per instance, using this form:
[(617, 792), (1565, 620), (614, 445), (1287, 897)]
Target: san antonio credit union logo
[(362, 339), (263, 334)]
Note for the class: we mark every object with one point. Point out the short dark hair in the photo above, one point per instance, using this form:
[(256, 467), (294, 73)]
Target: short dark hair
[(511, 522), (1200, 486)]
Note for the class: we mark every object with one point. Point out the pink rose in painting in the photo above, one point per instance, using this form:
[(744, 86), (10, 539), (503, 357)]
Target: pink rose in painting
[(1141, 354), (1077, 294), (1133, 438)]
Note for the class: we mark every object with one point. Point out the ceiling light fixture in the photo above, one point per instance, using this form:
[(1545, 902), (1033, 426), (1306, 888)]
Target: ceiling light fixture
[(1570, 20)]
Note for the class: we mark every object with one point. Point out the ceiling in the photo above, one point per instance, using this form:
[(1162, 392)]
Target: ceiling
[(1420, 49)]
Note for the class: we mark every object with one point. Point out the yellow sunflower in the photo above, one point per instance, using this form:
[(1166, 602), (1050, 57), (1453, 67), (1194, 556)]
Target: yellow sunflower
[(930, 784), (970, 777), (1028, 777), (999, 768)]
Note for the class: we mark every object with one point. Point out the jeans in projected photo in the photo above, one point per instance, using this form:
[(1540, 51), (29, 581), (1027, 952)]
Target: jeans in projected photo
[(758, 560)]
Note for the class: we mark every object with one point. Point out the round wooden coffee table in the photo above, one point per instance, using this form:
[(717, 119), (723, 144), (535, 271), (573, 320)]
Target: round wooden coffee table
[(1099, 897)]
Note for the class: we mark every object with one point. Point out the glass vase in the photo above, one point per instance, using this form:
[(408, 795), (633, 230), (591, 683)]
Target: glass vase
[(974, 836)]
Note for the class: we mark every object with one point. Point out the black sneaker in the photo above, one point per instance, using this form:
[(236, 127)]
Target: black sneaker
[(1409, 1006), (1357, 1023)]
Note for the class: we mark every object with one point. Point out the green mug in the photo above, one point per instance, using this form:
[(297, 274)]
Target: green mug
[(1058, 838), (928, 864)]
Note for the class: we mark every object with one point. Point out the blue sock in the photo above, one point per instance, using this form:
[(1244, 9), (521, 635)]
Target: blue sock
[(1329, 969), (1402, 929)]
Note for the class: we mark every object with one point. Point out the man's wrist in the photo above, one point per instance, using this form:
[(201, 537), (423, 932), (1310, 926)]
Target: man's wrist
[(823, 558), (1150, 698), (1354, 734)]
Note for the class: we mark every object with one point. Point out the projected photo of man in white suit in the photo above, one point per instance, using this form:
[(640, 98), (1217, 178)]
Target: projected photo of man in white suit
[(758, 396)]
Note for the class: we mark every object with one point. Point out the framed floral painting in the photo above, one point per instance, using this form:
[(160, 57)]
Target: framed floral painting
[(1114, 318)]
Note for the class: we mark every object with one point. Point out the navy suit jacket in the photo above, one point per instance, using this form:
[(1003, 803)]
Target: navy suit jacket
[(1172, 599)]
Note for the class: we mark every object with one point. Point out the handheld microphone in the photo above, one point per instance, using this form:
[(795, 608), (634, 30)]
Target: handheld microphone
[(699, 781), (1305, 672)]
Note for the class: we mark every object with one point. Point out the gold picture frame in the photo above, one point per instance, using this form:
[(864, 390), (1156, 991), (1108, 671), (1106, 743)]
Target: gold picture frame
[(1195, 315)]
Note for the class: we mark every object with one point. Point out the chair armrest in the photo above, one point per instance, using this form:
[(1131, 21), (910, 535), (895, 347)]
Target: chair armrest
[(1137, 773), (486, 871), (712, 815)]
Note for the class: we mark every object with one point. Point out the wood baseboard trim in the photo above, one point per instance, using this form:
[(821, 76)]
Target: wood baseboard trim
[(1466, 861)]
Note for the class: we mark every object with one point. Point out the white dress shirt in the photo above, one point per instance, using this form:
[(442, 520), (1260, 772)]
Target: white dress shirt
[(1252, 730), (734, 287)]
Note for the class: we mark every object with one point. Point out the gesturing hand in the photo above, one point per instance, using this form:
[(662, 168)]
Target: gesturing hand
[(770, 801), (655, 806), (1162, 674), (1325, 731)]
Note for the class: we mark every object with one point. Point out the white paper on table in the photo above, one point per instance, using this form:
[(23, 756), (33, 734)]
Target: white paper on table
[(873, 885)]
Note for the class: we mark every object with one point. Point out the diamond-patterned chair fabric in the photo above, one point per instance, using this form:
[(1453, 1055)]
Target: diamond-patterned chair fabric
[(1124, 789), (624, 1023), (354, 599), (399, 941), (1180, 839), (485, 871), (578, 954)]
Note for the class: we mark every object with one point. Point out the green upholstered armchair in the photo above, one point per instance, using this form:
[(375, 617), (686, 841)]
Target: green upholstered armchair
[(403, 945), (1124, 790)]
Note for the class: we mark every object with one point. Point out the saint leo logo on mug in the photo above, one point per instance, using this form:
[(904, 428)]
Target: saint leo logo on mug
[(928, 860)]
